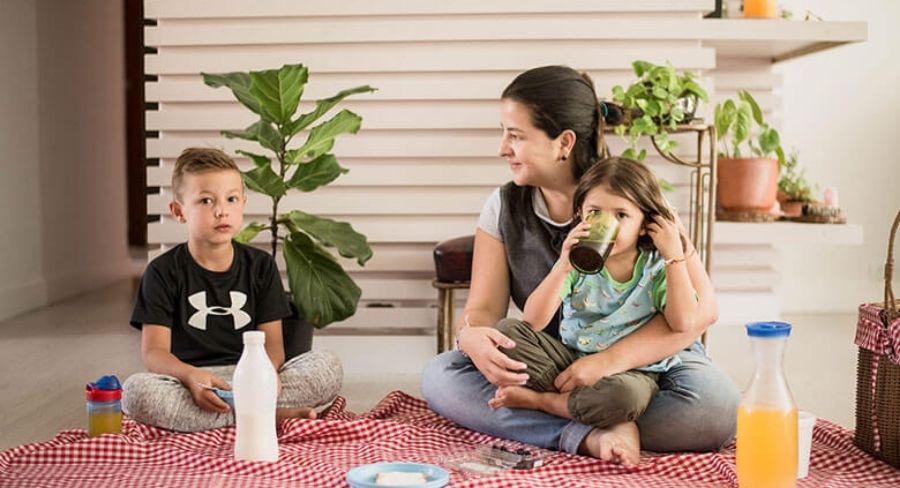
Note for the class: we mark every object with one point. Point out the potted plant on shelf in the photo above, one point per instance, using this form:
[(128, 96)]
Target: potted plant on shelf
[(794, 191), (319, 287), (659, 100), (747, 170)]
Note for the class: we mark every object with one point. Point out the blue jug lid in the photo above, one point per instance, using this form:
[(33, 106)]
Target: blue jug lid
[(768, 329)]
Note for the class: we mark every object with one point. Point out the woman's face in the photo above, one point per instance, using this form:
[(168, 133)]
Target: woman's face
[(533, 157)]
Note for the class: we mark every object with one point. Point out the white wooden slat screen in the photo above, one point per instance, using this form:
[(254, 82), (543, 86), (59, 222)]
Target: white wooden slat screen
[(425, 159)]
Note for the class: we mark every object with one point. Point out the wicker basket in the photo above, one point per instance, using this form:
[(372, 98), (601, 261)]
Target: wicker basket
[(878, 371)]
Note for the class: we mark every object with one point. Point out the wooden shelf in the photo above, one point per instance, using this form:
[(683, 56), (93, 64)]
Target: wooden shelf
[(777, 40), (787, 233)]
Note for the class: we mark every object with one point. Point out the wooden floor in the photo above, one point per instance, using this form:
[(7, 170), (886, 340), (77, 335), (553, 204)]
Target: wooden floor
[(48, 355)]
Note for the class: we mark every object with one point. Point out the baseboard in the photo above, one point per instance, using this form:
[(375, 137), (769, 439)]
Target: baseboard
[(18, 299), (77, 281)]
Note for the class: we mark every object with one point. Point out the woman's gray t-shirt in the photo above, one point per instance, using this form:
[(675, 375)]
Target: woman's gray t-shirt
[(518, 217)]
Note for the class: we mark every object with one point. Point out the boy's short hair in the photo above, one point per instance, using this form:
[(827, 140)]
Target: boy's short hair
[(199, 160)]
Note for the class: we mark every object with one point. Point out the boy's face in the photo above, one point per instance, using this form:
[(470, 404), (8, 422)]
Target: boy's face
[(212, 204)]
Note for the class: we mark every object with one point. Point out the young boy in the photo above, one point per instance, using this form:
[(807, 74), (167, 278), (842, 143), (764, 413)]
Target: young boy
[(196, 300)]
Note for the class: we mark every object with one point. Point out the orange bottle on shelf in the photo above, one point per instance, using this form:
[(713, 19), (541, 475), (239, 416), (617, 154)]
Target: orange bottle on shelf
[(766, 9), (767, 415)]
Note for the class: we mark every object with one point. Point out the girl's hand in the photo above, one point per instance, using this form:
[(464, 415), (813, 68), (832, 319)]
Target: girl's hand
[(481, 345), (580, 231), (586, 371), (666, 237), (200, 383)]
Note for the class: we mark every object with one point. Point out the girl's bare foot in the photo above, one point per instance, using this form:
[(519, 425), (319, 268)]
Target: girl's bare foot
[(515, 397), (294, 413), (620, 444)]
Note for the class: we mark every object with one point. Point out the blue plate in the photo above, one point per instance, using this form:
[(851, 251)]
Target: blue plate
[(364, 476)]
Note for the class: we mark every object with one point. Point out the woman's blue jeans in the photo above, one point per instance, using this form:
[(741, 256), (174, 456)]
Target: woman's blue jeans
[(694, 410)]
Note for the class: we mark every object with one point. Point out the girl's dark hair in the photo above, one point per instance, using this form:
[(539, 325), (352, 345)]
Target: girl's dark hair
[(629, 179), (561, 98)]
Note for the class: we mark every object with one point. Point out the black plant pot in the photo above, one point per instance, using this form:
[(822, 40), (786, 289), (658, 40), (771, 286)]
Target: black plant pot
[(296, 333)]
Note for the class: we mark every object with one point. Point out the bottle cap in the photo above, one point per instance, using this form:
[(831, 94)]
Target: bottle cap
[(105, 389), (768, 329), (255, 337)]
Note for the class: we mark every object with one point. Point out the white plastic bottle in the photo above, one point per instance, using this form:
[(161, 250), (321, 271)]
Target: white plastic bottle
[(255, 399)]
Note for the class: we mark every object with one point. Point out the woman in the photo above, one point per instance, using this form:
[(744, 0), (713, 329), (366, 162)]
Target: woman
[(552, 132)]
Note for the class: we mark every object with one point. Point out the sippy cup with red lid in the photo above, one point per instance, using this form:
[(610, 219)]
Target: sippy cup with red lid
[(104, 406)]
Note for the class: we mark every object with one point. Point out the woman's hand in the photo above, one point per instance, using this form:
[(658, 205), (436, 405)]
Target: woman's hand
[(585, 371), (200, 383), (481, 345), (580, 231), (666, 237)]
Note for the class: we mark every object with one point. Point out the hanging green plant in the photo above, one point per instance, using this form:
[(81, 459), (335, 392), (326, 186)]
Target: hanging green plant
[(656, 103)]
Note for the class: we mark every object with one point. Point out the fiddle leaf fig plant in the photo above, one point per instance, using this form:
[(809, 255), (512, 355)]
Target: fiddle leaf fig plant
[(659, 100), (320, 288), (734, 123)]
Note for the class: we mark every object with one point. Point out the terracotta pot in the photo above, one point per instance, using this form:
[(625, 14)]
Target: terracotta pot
[(747, 184), (792, 208)]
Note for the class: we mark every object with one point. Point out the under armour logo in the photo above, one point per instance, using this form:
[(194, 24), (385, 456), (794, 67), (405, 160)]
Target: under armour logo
[(198, 300)]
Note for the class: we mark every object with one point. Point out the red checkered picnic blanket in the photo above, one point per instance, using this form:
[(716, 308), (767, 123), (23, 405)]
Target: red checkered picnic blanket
[(318, 453)]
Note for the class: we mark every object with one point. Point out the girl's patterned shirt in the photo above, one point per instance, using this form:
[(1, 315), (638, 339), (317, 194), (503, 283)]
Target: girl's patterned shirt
[(598, 310)]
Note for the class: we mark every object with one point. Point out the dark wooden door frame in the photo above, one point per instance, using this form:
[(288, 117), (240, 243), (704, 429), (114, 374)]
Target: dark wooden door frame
[(135, 137)]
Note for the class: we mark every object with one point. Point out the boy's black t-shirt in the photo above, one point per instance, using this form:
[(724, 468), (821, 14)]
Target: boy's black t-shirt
[(208, 310)]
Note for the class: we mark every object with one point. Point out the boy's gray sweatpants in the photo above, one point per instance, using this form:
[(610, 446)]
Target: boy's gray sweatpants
[(312, 379)]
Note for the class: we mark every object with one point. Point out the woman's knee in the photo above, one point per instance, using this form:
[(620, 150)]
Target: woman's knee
[(436, 374)]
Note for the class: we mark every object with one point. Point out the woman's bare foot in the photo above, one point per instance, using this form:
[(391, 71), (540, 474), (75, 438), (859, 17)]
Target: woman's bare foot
[(294, 413), (620, 444), (515, 397)]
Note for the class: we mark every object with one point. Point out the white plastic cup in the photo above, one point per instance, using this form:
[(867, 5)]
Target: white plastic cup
[(805, 423)]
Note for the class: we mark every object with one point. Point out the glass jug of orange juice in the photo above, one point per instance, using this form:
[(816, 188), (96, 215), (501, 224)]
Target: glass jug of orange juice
[(767, 415)]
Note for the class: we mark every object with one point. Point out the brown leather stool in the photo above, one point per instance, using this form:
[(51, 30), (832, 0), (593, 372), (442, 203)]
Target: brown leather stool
[(453, 270)]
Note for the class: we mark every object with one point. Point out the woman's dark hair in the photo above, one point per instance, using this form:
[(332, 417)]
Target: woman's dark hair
[(629, 179), (561, 98)]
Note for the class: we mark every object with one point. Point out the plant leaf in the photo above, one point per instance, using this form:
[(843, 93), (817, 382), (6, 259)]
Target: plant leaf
[(321, 137), (769, 140), (239, 84), (264, 180), (257, 159), (318, 172), (665, 186), (322, 107), (742, 121), (757, 112), (641, 67), (249, 232), (340, 235), (321, 289), (693, 87), (261, 132), (278, 91)]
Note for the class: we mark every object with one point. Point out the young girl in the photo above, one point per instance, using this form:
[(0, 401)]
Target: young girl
[(646, 273)]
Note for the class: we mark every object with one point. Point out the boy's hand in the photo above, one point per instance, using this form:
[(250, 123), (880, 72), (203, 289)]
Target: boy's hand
[(200, 383), (580, 231), (666, 237)]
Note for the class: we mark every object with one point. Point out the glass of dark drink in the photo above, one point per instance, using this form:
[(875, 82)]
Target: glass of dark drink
[(589, 255)]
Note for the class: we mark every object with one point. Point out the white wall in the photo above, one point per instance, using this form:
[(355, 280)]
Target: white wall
[(82, 122), (840, 111), (62, 144), (21, 280)]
